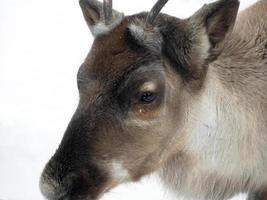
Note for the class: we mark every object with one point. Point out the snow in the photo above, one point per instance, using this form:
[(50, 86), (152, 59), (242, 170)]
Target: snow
[(42, 45)]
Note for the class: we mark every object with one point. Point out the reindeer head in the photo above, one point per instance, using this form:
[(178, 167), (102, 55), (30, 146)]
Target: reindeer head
[(135, 87)]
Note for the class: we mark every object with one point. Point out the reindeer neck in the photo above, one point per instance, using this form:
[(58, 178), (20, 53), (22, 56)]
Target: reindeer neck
[(242, 66)]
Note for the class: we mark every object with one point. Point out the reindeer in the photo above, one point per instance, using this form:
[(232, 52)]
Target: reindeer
[(183, 98)]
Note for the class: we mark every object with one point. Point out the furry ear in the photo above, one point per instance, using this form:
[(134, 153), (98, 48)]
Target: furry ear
[(96, 18), (193, 43), (218, 19)]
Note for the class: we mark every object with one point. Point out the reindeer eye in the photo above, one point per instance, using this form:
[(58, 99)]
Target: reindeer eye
[(148, 97)]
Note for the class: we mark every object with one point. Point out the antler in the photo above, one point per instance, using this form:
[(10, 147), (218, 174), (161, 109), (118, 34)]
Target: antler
[(152, 15), (107, 8)]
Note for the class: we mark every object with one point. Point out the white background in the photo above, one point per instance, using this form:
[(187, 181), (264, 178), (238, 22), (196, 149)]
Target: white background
[(42, 44)]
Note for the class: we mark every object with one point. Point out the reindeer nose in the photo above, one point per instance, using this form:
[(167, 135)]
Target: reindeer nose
[(71, 185), (51, 188)]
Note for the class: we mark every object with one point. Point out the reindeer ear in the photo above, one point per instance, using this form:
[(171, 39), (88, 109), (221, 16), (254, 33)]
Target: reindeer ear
[(193, 43), (217, 19), (101, 18)]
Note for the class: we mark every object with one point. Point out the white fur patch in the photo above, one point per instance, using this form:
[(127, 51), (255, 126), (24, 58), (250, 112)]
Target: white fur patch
[(101, 28), (118, 171), (148, 86), (227, 137), (204, 47), (225, 140)]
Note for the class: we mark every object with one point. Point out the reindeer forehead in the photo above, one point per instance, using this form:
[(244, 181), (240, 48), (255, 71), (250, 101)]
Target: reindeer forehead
[(115, 53), (111, 53)]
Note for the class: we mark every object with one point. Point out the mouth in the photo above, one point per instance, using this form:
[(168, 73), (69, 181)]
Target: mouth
[(69, 198)]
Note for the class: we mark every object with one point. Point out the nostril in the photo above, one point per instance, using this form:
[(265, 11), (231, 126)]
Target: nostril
[(51, 187), (69, 181), (75, 184)]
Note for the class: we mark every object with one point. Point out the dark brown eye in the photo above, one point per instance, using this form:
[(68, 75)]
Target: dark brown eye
[(148, 97)]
